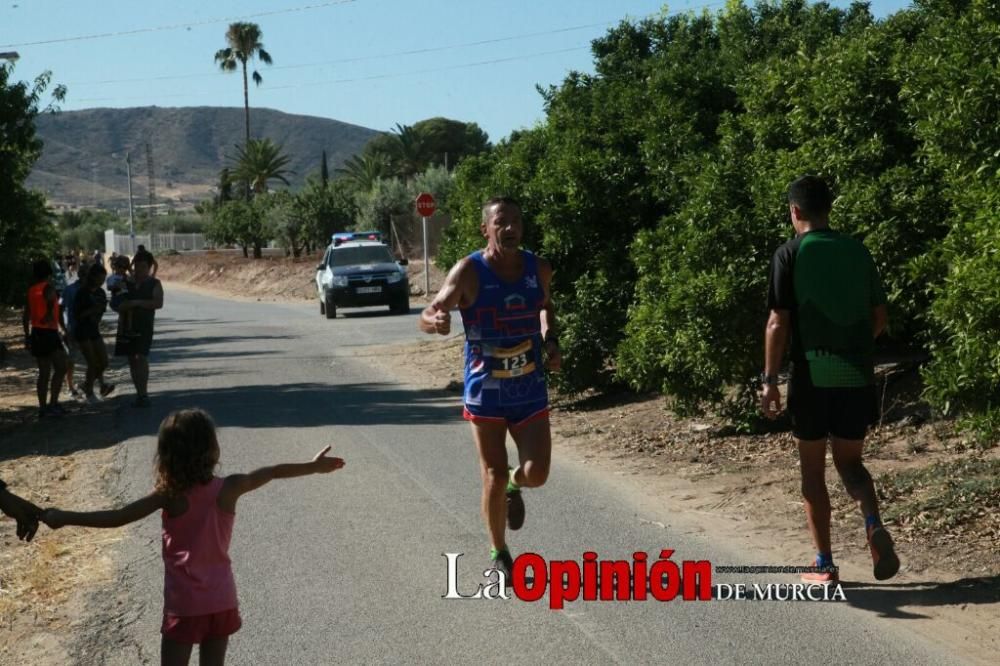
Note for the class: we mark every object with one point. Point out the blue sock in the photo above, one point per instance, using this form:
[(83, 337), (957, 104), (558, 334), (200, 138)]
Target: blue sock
[(872, 521), (824, 560)]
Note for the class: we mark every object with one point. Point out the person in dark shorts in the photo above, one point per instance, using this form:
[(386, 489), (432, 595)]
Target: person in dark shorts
[(89, 307), (141, 304), (825, 297), (42, 323)]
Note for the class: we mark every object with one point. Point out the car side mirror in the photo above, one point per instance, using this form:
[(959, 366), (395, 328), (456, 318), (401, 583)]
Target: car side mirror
[(320, 267), (403, 262)]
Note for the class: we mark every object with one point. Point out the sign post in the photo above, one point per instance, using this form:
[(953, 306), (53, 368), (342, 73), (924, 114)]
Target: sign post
[(426, 207)]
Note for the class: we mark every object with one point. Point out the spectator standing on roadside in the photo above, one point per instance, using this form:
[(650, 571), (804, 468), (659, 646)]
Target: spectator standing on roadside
[(90, 305), (74, 356), (154, 265), (141, 303), (42, 322)]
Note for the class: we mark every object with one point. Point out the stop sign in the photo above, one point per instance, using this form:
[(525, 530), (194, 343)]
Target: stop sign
[(425, 204)]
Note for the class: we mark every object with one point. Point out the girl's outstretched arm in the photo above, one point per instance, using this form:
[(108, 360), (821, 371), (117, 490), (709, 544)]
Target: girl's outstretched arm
[(129, 513), (240, 484)]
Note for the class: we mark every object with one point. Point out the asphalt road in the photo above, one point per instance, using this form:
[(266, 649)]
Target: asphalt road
[(349, 567)]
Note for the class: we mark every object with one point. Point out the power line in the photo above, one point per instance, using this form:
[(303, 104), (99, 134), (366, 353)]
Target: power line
[(378, 56), (434, 49), (389, 75), (428, 71), (176, 26)]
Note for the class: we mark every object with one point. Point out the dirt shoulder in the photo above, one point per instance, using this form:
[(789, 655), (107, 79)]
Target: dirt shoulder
[(939, 495), (270, 278), (65, 462)]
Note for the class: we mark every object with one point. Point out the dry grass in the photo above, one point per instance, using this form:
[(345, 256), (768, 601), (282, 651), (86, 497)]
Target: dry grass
[(43, 583)]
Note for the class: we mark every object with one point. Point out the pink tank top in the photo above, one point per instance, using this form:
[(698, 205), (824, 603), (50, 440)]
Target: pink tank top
[(198, 576)]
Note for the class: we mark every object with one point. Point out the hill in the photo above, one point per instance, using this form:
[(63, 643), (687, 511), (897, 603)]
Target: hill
[(83, 161)]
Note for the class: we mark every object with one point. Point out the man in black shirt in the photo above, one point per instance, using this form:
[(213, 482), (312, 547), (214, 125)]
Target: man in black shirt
[(825, 297)]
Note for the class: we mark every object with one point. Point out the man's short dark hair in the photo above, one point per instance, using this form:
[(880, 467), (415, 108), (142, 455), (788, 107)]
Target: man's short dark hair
[(41, 269), (499, 201), (812, 195), (97, 270)]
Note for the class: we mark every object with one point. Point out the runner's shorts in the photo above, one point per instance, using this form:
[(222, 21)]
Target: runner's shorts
[(819, 412), (200, 628), (515, 416), (45, 341)]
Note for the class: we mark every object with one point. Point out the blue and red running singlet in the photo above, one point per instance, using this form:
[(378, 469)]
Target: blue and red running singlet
[(503, 341)]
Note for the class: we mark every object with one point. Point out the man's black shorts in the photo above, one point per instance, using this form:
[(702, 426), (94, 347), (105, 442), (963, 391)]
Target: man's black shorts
[(818, 412), (45, 341), (131, 344)]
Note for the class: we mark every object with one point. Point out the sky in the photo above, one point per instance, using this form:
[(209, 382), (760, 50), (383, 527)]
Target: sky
[(373, 63)]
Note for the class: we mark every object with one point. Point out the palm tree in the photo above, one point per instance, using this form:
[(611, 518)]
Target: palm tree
[(259, 162), (408, 151), (244, 44), (363, 170)]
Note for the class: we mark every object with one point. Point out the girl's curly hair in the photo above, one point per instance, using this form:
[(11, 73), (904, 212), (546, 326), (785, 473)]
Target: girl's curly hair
[(186, 451)]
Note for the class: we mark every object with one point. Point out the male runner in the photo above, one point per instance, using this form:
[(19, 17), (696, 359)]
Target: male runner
[(503, 294), (825, 293)]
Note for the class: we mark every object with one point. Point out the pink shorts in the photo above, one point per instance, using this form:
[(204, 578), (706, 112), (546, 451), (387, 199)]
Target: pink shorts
[(201, 628)]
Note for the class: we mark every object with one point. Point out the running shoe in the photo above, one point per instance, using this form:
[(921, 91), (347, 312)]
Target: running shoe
[(107, 389), (141, 401), (505, 563), (515, 509), (90, 399), (821, 577), (884, 558), (75, 392)]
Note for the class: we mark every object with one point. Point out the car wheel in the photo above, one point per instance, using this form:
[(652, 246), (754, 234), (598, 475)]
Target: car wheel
[(330, 307), (402, 306)]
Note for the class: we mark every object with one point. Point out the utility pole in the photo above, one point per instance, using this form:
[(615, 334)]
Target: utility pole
[(131, 218), (151, 191)]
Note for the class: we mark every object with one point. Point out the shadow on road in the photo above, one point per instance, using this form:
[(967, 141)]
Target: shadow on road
[(297, 405), (888, 600)]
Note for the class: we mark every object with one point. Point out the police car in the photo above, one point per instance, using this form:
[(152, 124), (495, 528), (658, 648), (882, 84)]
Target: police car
[(358, 270)]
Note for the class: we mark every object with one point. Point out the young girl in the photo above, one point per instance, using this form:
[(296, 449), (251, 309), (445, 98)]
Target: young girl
[(198, 511)]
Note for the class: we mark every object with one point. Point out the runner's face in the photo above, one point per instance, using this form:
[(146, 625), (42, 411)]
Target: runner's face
[(503, 227)]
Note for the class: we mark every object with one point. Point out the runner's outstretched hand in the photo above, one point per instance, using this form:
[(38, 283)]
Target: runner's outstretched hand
[(325, 464)]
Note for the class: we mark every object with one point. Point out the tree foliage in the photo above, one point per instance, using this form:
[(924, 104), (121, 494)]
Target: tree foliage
[(656, 186), (411, 149), (26, 229), (243, 44)]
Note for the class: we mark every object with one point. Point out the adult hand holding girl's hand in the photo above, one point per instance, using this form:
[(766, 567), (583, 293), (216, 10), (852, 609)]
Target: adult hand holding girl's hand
[(53, 518), (325, 464)]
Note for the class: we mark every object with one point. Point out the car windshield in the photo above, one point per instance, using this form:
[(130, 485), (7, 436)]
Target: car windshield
[(365, 254)]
